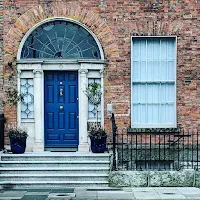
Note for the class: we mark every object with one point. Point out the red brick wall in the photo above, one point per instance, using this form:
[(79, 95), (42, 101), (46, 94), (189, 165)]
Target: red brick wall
[(1, 56), (114, 22)]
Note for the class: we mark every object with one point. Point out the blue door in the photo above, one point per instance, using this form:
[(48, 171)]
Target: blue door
[(61, 109)]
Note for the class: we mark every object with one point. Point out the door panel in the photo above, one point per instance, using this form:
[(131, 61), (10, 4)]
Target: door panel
[(61, 109)]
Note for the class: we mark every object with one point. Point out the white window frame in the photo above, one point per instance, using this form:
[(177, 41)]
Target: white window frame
[(174, 125), (97, 75)]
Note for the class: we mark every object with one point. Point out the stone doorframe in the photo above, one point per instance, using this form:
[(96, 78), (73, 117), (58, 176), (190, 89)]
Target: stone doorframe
[(35, 70)]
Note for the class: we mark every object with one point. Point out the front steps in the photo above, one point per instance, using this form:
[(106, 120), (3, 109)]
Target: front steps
[(54, 170)]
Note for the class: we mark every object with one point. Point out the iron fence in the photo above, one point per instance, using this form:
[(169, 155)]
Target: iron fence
[(155, 149)]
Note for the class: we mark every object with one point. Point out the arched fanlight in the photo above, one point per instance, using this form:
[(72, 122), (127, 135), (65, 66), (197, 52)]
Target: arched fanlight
[(60, 39)]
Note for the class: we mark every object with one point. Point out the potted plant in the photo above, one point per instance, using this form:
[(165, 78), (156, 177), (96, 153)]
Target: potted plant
[(98, 138), (96, 133), (17, 140)]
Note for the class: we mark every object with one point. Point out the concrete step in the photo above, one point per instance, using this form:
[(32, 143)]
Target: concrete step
[(50, 184), (54, 170), (53, 177), (76, 163), (55, 156)]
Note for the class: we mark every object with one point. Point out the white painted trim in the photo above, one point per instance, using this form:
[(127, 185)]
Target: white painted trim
[(19, 103), (90, 67), (155, 36), (62, 67), (102, 97), (153, 126), (175, 87), (54, 19), (60, 61), (131, 84)]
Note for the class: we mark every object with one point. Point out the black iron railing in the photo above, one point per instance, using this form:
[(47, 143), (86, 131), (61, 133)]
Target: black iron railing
[(155, 149), (114, 132)]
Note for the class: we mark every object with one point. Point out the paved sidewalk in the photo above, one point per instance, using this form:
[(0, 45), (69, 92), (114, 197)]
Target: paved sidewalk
[(150, 193)]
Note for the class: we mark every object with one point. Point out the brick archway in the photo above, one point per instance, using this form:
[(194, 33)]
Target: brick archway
[(59, 9)]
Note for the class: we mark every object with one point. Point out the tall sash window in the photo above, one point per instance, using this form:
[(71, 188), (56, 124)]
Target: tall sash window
[(153, 82)]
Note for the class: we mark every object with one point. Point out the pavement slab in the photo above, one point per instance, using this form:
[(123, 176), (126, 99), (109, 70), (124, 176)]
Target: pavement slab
[(37, 193), (115, 195), (142, 193), (31, 197), (146, 195), (12, 195)]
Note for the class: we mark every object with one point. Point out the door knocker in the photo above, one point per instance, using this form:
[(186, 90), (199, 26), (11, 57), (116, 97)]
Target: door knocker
[(61, 92)]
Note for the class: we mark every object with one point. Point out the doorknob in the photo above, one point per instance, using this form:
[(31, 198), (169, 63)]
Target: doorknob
[(61, 107), (61, 92)]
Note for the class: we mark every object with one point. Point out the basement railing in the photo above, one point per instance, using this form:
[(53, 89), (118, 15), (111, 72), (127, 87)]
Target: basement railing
[(155, 149)]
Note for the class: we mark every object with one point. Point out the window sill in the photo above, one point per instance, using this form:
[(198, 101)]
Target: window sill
[(27, 120)]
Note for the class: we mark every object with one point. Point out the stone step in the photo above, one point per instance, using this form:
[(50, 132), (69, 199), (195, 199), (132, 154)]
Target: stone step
[(76, 163), (54, 170), (55, 156), (50, 184), (53, 177)]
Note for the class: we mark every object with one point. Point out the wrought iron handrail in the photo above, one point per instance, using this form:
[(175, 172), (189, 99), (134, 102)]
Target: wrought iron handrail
[(114, 133)]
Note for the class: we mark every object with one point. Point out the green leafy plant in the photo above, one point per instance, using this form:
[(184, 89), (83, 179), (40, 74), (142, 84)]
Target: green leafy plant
[(13, 97), (94, 88), (93, 93), (17, 132), (97, 131)]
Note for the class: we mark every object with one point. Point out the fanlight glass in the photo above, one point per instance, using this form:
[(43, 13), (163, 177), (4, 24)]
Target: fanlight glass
[(60, 40)]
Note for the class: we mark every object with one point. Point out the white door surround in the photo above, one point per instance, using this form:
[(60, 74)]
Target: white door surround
[(35, 69)]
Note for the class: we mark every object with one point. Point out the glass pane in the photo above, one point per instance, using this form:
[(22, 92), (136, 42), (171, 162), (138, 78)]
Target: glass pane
[(150, 113), (142, 94), (156, 49), (155, 93), (162, 93), (136, 49), (150, 46), (156, 74), (136, 71), (163, 71), (163, 49), (92, 110), (170, 93), (150, 94), (135, 115), (171, 48), (170, 113), (61, 40), (143, 74), (171, 70), (27, 103), (143, 52), (155, 114), (135, 93), (143, 114), (150, 70), (162, 113)]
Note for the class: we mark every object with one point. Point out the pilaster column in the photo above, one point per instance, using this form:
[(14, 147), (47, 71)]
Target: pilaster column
[(83, 111), (19, 102), (39, 135), (102, 97)]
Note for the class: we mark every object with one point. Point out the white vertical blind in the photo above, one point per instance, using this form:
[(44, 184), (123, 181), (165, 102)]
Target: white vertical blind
[(153, 82)]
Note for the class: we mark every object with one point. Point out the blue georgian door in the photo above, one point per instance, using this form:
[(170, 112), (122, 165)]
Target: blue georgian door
[(61, 109)]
